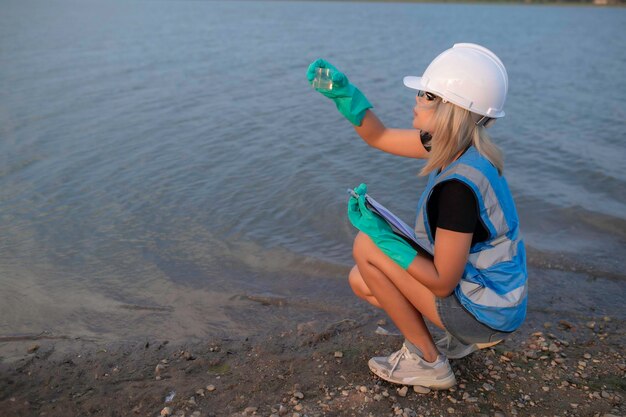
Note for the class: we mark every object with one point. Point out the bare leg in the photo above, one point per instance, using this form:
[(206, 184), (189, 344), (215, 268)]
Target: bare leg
[(404, 299)]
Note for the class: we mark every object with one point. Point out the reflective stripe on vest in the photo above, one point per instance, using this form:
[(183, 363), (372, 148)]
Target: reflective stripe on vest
[(493, 286)]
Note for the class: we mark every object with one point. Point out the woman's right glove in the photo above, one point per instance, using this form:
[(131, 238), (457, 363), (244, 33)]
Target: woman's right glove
[(349, 100), (379, 230)]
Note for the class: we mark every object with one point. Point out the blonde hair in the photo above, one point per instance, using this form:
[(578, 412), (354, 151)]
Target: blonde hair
[(455, 130)]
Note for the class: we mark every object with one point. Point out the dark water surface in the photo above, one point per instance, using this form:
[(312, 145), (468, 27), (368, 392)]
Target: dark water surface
[(161, 160)]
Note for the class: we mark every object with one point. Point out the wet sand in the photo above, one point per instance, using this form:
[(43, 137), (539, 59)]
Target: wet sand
[(561, 362)]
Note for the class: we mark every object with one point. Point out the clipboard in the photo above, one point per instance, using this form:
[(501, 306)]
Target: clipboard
[(398, 226)]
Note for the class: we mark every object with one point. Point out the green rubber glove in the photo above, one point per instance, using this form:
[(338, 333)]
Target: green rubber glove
[(379, 230), (349, 100)]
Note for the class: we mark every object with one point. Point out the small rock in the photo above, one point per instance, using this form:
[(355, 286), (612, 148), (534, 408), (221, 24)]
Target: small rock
[(298, 395), (587, 356), (403, 391), (545, 389), (249, 411), (421, 390), (192, 401), (298, 407), (606, 395), (487, 387), (282, 410), (591, 325), (196, 414), (378, 397), (157, 371), (338, 354), (167, 411), (34, 348), (363, 389), (450, 410), (188, 356)]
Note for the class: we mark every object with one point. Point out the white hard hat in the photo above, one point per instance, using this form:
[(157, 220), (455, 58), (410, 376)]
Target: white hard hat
[(468, 75)]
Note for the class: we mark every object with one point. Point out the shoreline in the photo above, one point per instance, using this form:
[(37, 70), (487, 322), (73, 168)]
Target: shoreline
[(568, 367), (565, 362), (495, 2)]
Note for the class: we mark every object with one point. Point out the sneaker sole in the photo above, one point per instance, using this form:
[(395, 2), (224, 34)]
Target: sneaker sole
[(432, 383)]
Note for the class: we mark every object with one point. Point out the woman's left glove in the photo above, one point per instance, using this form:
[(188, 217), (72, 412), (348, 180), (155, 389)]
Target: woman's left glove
[(379, 230), (350, 101)]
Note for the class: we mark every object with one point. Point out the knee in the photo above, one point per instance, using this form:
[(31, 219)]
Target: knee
[(358, 285), (360, 246), (356, 281)]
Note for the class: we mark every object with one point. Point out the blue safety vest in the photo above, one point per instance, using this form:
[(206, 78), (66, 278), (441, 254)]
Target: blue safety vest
[(494, 283)]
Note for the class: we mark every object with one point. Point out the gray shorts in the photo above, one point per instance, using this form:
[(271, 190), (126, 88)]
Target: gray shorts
[(462, 324)]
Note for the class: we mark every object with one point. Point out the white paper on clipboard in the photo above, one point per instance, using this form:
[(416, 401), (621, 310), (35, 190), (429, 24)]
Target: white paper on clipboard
[(394, 221)]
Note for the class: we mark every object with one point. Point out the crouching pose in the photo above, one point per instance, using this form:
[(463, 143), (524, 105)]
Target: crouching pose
[(468, 275)]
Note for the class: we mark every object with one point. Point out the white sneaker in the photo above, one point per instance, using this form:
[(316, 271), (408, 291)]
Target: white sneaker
[(453, 348), (404, 367)]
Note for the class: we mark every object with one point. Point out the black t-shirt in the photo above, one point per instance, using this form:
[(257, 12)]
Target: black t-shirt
[(453, 206)]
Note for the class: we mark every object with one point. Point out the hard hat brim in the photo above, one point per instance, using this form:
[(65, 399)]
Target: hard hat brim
[(413, 82)]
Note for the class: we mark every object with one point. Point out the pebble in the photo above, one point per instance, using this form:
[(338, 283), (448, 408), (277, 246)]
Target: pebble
[(34, 348), (298, 407), (196, 414), (487, 387), (157, 371), (249, 411), (421, 390), (363, 389), (210, 388), (378, 397), (591, 324), (403, 391), (167, 411), (450, 410), (338, 354), (298, 395), (200, 392)]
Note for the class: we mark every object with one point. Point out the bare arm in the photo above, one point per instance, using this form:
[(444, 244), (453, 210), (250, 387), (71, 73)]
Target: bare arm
[(402, 142), (442, 274)]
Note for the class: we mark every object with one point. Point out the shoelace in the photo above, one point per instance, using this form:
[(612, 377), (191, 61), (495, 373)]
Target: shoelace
[(448, 341), (397, 357)]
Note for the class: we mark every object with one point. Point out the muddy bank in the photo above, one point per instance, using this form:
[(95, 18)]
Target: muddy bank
[(568, 368), (557, 364)]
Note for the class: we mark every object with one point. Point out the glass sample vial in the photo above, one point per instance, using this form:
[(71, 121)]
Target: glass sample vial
[(322, 79)]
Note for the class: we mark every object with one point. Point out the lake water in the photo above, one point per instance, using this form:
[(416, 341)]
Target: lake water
[(160, 161)]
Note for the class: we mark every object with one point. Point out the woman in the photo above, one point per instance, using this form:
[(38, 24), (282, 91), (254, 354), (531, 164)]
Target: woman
[(470, 277)]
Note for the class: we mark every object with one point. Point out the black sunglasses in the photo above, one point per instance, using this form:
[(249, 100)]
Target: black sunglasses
[(429, 96)]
